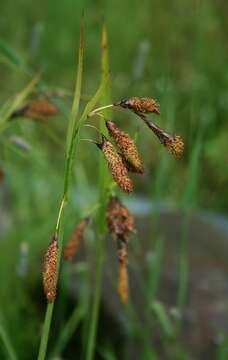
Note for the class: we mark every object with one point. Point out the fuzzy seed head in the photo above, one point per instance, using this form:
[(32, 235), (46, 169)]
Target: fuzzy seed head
[(142, 105), (36, 110), (118, 169), (173, 143), (74, 242), (127, 147), (120, 221), (50, 271)]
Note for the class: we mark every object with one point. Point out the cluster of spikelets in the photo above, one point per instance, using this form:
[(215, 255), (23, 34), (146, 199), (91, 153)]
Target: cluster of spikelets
[(120, 224), (123, 157)]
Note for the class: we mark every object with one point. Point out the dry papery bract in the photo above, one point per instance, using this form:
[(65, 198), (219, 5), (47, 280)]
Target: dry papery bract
[(115, 162), (36, 110), (50, 270), (72, 246), (127, 146)]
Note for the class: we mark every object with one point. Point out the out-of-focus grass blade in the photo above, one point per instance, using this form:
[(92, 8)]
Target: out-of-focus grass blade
[(20, 97), (77, 92), (8, 55), (189, 201), (11, 355), (163, 318)]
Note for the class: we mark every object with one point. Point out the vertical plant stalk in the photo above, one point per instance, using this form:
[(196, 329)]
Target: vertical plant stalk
[(104, 180), (189, 202), (73, 141), (6, 342)]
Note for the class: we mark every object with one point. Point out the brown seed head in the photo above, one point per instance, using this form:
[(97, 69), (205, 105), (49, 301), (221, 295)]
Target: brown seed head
[(115, 162), (173, 143), (36, 110), (74, 242), (127, 146), (50, 271), (120, 221), (2, 175), (139, 105), (123, 287)]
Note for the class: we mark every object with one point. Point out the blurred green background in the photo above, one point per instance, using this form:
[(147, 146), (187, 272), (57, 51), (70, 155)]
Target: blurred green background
[(173, 51)]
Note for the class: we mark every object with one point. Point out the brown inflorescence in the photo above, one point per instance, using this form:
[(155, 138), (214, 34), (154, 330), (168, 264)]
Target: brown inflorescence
[(2, 175), (121, 224), (36, 111), (173, 143), (139, 105), (120, 221), (74, 242), (50, 271), (115, 162), (123, 287), (127, 147)]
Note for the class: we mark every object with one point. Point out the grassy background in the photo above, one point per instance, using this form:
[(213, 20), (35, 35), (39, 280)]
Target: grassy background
[(185, 67)]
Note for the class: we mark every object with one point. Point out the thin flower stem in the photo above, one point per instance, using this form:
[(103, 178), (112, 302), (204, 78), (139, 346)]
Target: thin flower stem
[(101, 219), (46, 329), (7, 343), (95, 111), (60, 213), (93, 127), (89, 140)]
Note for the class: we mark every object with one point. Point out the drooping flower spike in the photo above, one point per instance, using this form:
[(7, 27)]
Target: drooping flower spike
[(123, 283), (115, 162), (139, 105), (74, 242), (127, 146), (120, 221), (173, 143), (50, 270), (120, 224)]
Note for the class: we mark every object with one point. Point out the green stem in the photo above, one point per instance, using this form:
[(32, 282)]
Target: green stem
[(103, 190), (67, 175), (46, 330), (6, 341)]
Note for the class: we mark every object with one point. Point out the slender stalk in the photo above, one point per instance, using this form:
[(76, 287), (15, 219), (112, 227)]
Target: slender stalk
[(103, 188), (71, 146), (46, 330), (95, 111), (6, 341)]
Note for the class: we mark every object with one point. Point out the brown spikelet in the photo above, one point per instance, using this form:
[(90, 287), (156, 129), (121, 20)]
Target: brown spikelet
[(120, 221), (123, 288), (74, 242), (36, 110), (139, 105), (2, 175), (173, 143), (118, 169), (127, 146), (50, 271)]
